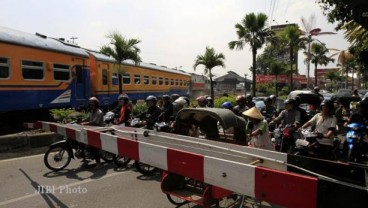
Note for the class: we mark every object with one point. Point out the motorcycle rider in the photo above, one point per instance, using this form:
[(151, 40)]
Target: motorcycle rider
[(289, 116), (167, 109), (209, 101), (241, 105), (151, 116), (303, 113), (259, 133), (125, 110), (268, 111), (325, 123), (201, 101), (95, 118), (274, 100), (249, 101), (316, 91)]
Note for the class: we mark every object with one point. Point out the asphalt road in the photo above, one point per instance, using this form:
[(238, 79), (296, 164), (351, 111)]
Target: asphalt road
[(26, 182)]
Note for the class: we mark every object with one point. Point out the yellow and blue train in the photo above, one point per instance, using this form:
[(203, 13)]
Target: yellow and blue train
[(39, 72)]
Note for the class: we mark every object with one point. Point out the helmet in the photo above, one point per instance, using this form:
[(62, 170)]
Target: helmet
[(208, 98), (227, 105), (239, 98), (200, 99), (297, 99), (151, 98), (268, 100), (174, 96), (181, 101), (249, 97), (186, 99), (273, 97), (316, 88), (123, 96), (289, 101), (94, 99), (166, 97), (327, 103)]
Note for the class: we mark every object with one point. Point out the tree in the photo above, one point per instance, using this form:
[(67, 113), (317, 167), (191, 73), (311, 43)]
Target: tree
[(345, 60), (209, 60), (277, 67), (318, 57), (293, 41), (252, 30), (121, 49), (309, 32), (337, 11), (333, 76)]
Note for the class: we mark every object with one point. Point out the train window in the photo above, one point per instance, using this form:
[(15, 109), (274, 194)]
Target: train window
[(32, 70), (79, 74), (176, 82), (104, 76), (160, 81), (126, 78), (146, 80), (137, 79), (181, 82), (166, 81), (172, 81), (61, 72), (154, 80), (114, 79), (4, 68)]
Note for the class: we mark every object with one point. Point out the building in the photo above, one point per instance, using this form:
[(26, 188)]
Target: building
[(200, 85), (231, 82)]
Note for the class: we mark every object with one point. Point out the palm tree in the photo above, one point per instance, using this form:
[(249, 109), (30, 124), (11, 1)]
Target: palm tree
[(310, 31), (276, 68), (252, 30), (345, 60), (332, 76), (293, 41), (209, 60), (318, 56), (121, 49)]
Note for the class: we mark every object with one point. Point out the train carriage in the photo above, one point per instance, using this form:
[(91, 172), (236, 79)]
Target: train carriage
[(39, 72)]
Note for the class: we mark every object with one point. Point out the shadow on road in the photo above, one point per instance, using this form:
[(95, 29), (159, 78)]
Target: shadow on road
[(49, 197)]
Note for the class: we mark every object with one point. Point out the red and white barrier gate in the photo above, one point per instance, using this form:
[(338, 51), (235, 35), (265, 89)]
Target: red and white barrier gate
[(228, 166)]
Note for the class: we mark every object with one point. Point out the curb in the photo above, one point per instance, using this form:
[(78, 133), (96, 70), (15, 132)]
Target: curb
[(28, 139)]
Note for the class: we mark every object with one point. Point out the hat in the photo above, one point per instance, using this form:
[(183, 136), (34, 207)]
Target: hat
[(253, 113)]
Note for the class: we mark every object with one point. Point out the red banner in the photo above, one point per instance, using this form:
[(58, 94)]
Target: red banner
[(280, 79)]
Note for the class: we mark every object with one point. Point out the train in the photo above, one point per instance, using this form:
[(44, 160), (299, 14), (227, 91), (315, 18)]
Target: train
[(40, 72)]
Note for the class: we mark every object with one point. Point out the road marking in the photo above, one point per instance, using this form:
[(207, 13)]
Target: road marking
[(21, 158), (68, 185)]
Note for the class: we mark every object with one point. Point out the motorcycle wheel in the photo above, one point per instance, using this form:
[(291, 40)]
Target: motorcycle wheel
[(121, 161), (176, 200), (144, 168), (57, 158), (107, 156)]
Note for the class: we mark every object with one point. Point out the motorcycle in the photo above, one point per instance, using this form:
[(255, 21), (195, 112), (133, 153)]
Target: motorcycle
[(60, 153), (355, 149), (122, 161), (284, 138)]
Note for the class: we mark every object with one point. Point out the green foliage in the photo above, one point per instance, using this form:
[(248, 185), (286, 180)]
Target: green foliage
[(284, 90), (218, 101), (266, 88), (66, 115), (139, 108)]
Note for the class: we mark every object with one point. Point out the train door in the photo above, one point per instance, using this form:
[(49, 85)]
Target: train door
[(105, 90), (82, 85)]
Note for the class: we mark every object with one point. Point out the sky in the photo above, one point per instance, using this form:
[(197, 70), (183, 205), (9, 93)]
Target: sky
[(172, 32)]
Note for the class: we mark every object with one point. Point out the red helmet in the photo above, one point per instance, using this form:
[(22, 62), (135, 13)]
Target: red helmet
[(240, 98), (200, 99)]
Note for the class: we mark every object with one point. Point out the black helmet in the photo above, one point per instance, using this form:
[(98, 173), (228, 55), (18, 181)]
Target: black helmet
[(289, 101), (151, 98), (174, 97), (123, 96), (267, 100), (327, 102), (298, 99), (249, 97), (94, 100), (166, 97)]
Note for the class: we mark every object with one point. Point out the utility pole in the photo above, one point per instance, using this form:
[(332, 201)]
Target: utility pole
[(73, 38)]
